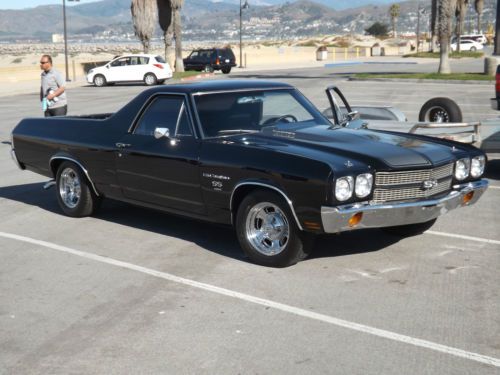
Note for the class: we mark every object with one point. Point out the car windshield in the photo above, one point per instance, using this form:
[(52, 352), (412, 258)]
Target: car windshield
[(251, 111)]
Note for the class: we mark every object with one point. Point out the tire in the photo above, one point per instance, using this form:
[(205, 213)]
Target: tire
[(410, 229), (150, 79), (473, 49), (440, 110), (208, 69), (100, 80), (74, 194), (291, 245), (226, 70)]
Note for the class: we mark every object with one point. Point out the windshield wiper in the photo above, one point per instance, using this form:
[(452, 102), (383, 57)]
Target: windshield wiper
[(235, 131)]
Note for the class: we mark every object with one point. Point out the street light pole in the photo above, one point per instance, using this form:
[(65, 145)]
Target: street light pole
[(66, 40), (244, 6)]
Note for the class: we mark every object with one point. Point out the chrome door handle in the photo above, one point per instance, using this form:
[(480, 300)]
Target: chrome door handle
[(122, 145)]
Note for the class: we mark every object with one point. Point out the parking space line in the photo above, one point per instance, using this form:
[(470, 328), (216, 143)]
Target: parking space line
[(268, 303), (463, 237), (494, 187)]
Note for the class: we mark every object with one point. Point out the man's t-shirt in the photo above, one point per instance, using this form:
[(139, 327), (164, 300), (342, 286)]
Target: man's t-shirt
[(51, 81)]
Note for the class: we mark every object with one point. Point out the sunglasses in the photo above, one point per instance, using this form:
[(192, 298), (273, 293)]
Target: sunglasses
[(43, 62)]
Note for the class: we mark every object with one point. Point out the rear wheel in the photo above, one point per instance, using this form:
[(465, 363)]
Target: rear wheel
[(74, 194), (267, 231), (150, 79), (226, 70), (440, 110), (473, 49), (410, 229), (99, 80)]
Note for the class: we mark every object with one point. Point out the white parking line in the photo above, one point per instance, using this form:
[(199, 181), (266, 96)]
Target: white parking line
[(463, 237), (493, 187), (268, 303)]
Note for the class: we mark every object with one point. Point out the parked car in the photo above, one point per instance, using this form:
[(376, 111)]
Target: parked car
[(480, 38), (150, 69), (467, 45), (256, 155), (211, 59)]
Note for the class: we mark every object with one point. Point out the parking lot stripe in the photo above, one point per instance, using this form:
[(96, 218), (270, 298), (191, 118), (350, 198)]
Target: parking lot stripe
[(268, 303), (462, 237), (494, 187)]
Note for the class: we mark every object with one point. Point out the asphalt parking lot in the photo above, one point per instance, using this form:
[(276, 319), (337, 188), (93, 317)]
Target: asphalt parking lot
[(132, 290)]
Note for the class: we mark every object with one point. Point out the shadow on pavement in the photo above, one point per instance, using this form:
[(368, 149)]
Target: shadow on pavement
[(219, 239)]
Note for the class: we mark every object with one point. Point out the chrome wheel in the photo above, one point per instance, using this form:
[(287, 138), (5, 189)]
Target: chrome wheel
[(437, 114), (99, 81), (150, 79), (70, 188), (267, 229)]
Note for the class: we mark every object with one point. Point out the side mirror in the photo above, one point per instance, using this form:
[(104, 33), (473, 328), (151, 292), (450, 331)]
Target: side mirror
[(107, 66), (161, 133), (354, 115)]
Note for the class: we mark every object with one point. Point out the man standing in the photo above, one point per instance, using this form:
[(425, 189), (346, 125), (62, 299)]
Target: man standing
[(52, 93)]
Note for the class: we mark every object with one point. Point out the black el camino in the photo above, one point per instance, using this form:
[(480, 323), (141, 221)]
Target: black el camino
[(256, 155)]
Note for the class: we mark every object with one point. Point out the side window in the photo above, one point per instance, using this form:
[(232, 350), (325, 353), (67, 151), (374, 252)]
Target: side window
[(193, 55), (124, 61), (165, 112)]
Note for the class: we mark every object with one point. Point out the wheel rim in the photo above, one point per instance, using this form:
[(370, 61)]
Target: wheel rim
[(437, 114), (69, 188), (150, 79), (267, 229), (99, 81)]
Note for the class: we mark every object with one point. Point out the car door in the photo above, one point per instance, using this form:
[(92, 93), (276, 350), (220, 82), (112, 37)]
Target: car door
[(138, 68), (161, 172), (119, 70)]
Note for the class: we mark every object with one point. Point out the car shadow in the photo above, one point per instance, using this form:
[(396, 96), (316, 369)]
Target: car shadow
[(216, 238)]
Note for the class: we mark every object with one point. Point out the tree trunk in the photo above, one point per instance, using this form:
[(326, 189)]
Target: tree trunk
[(179, 64), (445, 12), (434, 36), (444, 58)]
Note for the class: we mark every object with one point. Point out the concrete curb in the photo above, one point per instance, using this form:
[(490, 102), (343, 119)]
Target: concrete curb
[(413, 80)]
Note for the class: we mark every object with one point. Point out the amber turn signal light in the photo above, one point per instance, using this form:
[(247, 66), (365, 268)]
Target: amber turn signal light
[(355, 219), (467, 197)]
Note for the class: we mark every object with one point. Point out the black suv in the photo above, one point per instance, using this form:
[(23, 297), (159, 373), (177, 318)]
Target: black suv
[(211, 59)]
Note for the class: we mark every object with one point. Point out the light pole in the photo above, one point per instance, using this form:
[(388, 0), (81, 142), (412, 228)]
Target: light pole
[(244, 6), (66, 40)]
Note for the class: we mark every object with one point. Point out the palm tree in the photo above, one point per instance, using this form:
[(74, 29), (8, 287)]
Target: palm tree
[(394, 13), (460, 13), (176, 9), (144, 15), (433, 25), (478, 6), (445, 9), (166, 24)]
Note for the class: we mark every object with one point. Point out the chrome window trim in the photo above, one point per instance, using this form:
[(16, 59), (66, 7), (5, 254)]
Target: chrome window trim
[(290, 203), (200, 93), (77, 163)]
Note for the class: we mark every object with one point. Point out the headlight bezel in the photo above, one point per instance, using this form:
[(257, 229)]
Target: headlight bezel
[(464, 165), (353, 183), (478, 163), (350, 181)]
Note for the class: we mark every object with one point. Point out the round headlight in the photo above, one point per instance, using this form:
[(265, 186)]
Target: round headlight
[(477, 166), (462, 169), (344, 188), (364, 184)]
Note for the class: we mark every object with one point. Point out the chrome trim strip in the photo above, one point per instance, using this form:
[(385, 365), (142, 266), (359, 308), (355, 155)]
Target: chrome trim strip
[(199, 93), (290, 203), (335, 219), (77, 163), (14, 157)]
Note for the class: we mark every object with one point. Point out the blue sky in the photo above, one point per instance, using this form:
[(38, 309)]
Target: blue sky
[(21, 4)]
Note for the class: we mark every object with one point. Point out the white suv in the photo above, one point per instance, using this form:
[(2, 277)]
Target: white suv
[(467, 45), (150, 69)]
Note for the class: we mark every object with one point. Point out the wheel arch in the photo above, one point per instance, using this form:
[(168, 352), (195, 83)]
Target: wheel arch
[(242, 189), (57, 160)]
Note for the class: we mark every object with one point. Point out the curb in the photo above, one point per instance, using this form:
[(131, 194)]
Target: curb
[(413, 80), (198, 76)]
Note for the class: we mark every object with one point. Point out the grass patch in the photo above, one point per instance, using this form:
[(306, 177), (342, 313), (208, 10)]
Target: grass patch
[(452, 76), (453, 55), (189, 73)]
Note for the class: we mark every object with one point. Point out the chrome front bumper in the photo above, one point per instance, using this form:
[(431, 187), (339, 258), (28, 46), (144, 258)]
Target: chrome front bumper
[(336, 219)]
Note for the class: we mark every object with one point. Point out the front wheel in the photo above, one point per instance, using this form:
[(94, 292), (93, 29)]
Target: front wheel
[(440, 110), (74, 194), (150, 79), (208, 69), (409, 229), (99, 80), (267, 231), (473, 49)]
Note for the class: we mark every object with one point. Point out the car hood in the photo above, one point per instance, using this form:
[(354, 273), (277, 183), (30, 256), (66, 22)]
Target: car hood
[(379, 149)]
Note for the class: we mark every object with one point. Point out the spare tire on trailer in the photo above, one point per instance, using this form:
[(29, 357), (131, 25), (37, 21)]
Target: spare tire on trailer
[(440, 110)]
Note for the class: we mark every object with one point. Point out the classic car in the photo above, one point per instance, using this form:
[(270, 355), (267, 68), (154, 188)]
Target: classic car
[(253, 154)]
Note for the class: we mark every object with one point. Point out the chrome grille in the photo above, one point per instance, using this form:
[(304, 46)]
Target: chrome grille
[(408, 185), (412, 177)]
